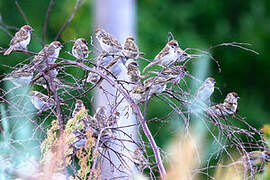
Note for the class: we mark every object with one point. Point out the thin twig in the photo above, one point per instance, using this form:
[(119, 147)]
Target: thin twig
[(25, 18), (236, 44), (46, 21), (76, 7), (22, 12)]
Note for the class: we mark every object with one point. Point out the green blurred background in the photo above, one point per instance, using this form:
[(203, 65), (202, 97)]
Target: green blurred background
[(195, 24)]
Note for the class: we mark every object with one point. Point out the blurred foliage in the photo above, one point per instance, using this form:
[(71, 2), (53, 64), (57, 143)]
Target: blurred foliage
[(266, 132)]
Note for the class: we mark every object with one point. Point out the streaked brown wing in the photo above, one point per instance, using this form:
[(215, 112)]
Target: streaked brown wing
[(49, 51), (130, 46), (19, 36), (84, 50), (165, 51), (111, 41)]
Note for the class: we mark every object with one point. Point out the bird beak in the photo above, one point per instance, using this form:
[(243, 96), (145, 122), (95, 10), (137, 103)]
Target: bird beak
[(62, 46)]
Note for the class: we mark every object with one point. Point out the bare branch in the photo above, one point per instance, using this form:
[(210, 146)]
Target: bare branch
[(25, 18), (76, 7), (22, 12), (235, 44), (46, 21)]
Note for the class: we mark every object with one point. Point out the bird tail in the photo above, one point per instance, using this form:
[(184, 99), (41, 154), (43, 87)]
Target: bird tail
[(9, 50), (149, 65)]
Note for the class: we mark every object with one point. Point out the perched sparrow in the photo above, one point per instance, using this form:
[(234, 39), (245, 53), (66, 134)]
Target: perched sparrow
[(137, 93), (41, 101), (173, 74), (206, 89), (139, 160), (41, 54), (78, 107), (80, 49), (182, 55), (20, 78), (20, 40), (103, 120), (112, 119), (38, 64), (100, 114), (255, 160), (155, 85), (228, 107), (53, 50), (92, 78), (57, 82), (107, 42), (133, 71), (167, 56), (130, 49)]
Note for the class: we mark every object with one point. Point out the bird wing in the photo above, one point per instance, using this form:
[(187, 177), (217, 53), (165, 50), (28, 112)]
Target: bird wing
[(165, 51), (19, 37), (131, 46), (111, 41)]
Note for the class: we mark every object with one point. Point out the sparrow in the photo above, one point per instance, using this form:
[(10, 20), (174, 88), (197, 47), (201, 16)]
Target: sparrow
[(20, 77), (155, 85), (101, 121), (133, 71), (182, 55), (139, 160), (130, 49), (78, 107), (107, 42), (206, 89), (38, 64), (92, 78), (20, 40), (173, 73), (52, 52), (80, 49), (167, 56), (137, 93), (41, 101), (114, 66), (228, 107), (48, 54), (255, 160), (100, 116)]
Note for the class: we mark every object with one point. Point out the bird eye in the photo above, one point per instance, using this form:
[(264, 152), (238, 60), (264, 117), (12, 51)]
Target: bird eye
[(173, 45)]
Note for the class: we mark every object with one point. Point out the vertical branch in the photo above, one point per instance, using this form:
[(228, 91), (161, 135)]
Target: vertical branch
[(76, 7), (46, 21), (22, 12), (56, 98), (25, 18)]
